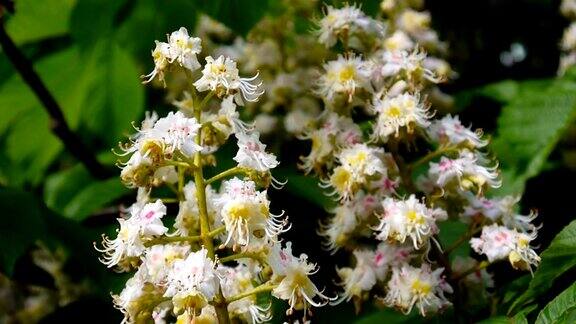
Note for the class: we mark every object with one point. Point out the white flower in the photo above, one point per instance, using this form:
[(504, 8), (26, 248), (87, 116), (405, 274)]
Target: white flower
[(344, 76), (501, 210), (569, 38), (499, 242), (359, 164), (394, 113), (180, 48), (127, 244), (221, 76), (392, 63), (149, 218), (128, 301), (420, 287), (398, 42), (252, 153), (360, 279), (240, 280), (338, 228), (188, 218), (184, 48), (293, 273), (449, 130), (178, 132), (408, 218), (192, 282), (246, 214), (161, 56), (158, 260), (414, 22), (297, 121), (362, 161), (464, 171), (371, 266), (265, 123), (349, 21)]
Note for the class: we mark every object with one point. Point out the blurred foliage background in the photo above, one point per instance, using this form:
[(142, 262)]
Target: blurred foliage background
[(90, 54)]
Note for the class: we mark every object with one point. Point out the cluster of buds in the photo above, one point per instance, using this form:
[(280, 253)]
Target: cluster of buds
[(568, 43), (390, 201), (221, 252)]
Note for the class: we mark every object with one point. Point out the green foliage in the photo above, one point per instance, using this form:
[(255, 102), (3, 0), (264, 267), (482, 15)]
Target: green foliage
[(532, 121), (30, 146), (239, 15), (75, 194), (38, 20), (22, 225), (560, 310), (558, 258)]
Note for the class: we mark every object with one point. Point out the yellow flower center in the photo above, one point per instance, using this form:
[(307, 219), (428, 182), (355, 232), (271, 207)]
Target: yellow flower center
[(415, 217), (357, 159), (340, 179), (420, 287), (394, 111), (347, 74), (239, 211)]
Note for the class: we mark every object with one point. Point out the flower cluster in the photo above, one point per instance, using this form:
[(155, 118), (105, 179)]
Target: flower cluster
[(397, 173), (222, 249)]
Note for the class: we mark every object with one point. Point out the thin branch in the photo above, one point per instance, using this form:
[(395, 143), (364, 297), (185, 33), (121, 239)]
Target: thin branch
[(58, 123)]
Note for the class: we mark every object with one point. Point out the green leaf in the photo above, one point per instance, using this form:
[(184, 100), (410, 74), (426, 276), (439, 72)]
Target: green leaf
[(29, 143), (151, 20), (529, 128), (559, 308), (558, 258), (388, 316), (22, 225), (117, 95), (239, 15), (520, 319), (93, 197), (450, 232), (305, 187), (36, 20), (60, 188), (85, 29)]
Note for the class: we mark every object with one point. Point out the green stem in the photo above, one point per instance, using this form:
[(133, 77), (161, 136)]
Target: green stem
[(262, 288), (251, 255), (173, 239), (227, 173), (219, 304), (462, 239), (432, 155), (482, 265)]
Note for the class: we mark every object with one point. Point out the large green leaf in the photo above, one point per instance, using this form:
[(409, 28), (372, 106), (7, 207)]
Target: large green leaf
[(85, 29), (558, 258), (22, 225), (151, 20), (29, 143), (35, 20), (117, 95), (529, 128), (305, 187), (561, 309), (61, 187), (74, 194), (94, 197)]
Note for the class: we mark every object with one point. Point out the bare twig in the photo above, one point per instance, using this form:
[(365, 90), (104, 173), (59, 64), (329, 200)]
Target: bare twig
[(58, 123)]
